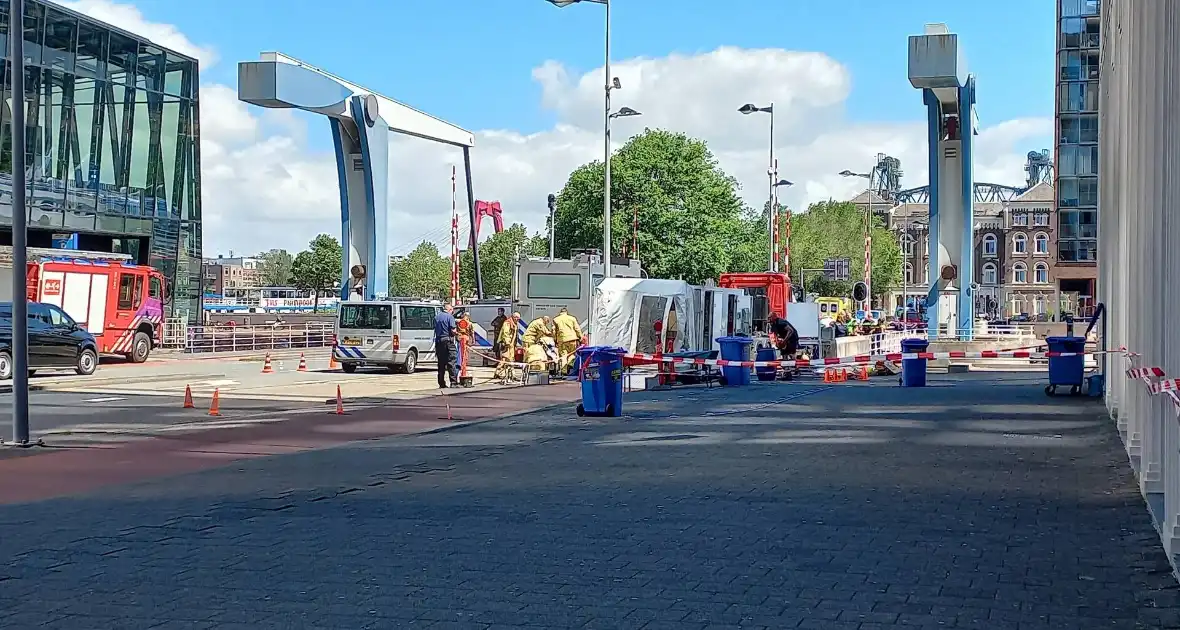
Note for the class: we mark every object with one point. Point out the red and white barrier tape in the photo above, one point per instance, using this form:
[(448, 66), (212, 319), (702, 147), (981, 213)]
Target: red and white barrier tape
[(855, 360), (1154, 378)]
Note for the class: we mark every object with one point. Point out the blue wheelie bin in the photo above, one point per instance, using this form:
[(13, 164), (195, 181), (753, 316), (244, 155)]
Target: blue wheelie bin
[(735, 349), (913, 371), (1066, 371), (766, 353), (601, 375)]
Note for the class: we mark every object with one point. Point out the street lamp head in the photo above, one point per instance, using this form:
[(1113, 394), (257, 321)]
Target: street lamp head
[(748, 108), (847, 173), (625, 112), (566, 3), (783, 182), (616, 84)]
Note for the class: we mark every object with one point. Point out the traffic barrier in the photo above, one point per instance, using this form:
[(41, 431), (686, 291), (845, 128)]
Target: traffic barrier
[(215, 404), (188, 398), (266, 367), (858, 359), (302, 363)]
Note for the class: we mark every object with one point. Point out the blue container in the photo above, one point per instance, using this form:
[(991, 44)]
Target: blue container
[(1066, 371), (601, 375), (913, 371), (767, 353), (735, 349)]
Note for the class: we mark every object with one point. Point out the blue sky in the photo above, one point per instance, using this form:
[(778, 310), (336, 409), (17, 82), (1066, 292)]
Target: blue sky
[(469, 61)]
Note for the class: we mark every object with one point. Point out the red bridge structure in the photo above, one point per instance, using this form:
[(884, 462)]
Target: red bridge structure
[(487, 209)]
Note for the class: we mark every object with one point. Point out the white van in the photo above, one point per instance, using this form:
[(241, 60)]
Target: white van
[(396, 335)]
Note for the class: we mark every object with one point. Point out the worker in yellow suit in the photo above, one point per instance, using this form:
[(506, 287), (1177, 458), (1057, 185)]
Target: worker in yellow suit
[(567, 333), (506, 347), (538, 329)]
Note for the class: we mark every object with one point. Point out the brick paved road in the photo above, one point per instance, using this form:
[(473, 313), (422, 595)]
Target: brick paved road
[(979, 505)]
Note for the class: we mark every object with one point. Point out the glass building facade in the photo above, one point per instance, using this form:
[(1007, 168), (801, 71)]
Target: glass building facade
[(1078, 69), (112, 143)]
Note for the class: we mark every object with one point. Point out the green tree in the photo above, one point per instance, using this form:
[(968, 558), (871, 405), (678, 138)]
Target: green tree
[(319, 266), (275, 267), (692, 224), (497, 260), (423, 273), (835, 229)]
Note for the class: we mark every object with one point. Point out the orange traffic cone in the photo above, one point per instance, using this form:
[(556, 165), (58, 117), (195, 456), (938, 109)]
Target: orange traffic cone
[(828, 376), (332, 363), (266, 368), (302, 363), (843, 375), (188, 398), (215, 405), (339, 402), (864, 373)]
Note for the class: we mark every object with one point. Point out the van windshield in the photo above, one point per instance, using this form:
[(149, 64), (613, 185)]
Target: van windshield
[(378, 316)]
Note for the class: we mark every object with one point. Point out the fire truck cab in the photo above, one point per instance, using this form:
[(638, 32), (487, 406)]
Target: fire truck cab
[(120, 303), (771, 293)]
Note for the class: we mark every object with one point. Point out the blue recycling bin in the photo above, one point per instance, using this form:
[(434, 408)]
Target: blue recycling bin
[(735, 349), (601, 374), (1066, 371), (913, 371), (766, 353)]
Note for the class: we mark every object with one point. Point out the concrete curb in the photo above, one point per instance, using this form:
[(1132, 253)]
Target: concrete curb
[(6, 388)]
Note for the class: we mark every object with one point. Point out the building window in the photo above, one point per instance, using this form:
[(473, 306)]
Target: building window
[(1075, 192), (1077, 235), (1041, 273), (989, 273), (1020, 219), (1041, 243), (1078, 96), (1079, 129), (1041, 219), (907, 244), (908, 270), (1078, 160), (1019, 273), (989, 245), (1020, 244)]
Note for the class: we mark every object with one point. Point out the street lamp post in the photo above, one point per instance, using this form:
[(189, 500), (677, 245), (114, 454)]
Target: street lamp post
[(786, 268), (20, 213), (609, 84), (771, 172)]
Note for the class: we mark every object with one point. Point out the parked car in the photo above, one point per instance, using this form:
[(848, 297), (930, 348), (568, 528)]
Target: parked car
[(56, 341)]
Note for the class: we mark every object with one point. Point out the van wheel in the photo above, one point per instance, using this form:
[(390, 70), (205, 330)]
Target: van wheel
[(411, 364), (141, 347), (87, 362), (5, 366), (348, 368)]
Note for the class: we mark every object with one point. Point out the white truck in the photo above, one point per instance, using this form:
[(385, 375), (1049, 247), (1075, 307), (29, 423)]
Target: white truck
[(542, 286)]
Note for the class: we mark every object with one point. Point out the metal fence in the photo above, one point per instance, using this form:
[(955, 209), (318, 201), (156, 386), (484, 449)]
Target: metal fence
[(211, 339)]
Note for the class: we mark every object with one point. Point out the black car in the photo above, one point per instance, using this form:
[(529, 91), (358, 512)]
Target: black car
[(56, 341)]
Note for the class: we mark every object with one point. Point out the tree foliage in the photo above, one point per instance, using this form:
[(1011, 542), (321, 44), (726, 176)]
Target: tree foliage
[(423, 273), (319, 266), (497, 260), (275, 268), (691, 222), (835, 229)]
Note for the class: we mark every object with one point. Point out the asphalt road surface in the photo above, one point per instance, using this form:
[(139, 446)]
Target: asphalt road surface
[(54, 415), (981, 504)]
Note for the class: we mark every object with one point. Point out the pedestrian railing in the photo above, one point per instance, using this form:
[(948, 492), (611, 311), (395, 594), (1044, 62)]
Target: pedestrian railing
[(213, 339)]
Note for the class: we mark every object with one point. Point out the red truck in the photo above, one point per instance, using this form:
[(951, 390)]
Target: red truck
[(771, 292), (120, 303)]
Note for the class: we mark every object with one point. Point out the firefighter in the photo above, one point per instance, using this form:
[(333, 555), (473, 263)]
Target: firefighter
[(465, 334), (506, 348), (567, 333), (538, 328)]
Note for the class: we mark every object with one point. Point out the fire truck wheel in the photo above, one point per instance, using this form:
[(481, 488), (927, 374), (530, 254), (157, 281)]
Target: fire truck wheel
[(5, 365), (87, 362), (140, 348)]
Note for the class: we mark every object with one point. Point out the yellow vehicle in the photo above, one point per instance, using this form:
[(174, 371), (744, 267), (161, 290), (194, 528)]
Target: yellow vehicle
[(831, 306)]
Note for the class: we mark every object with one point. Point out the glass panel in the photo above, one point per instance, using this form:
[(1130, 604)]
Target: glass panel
[(372, 316), (139, 226), (177, 75), (1071, 32), (149, 73), (61, 35), (113, 162), (168, 190), (140, 200), (415, 318), (79, 221), (1071, 8), (1078, 96), (188, 273), (46, 219), (113, 224), (1070, 66), (4, 29), (1088, 191), (122, 54), (554, 286), (92, 51), (81, 173), (34, 32), (192, 160)]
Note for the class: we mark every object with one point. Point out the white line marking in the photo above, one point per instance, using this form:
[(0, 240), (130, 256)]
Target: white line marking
[(107, 399)]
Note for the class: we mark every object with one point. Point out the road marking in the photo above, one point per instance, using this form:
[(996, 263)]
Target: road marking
[(221, 383), (107, 399)]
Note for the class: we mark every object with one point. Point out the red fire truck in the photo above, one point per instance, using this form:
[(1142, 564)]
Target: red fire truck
[(120, 303), (771, 292)]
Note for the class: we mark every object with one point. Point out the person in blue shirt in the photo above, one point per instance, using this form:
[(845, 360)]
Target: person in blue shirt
[(445, 333)]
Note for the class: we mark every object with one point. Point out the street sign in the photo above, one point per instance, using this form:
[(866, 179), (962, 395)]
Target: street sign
[(837, 268)]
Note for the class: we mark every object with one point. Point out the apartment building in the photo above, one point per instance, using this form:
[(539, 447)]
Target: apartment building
[(1076, 169), (225, 276)]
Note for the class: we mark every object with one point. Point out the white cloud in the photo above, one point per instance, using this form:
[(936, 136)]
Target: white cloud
[(263, 186)]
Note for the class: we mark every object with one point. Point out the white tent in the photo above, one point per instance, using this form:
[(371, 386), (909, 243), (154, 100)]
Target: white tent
[(643, 315)]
